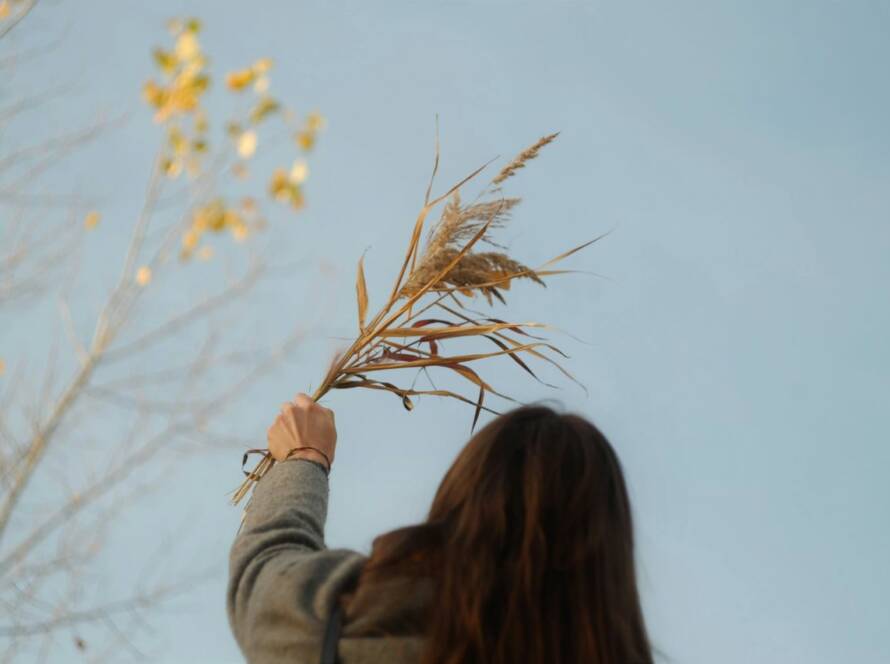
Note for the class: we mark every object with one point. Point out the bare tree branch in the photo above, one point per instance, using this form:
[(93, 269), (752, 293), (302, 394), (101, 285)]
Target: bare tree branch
[(96, 394)]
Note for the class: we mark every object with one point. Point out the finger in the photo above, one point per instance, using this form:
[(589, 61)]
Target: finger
[(303, 399), (288, 418)]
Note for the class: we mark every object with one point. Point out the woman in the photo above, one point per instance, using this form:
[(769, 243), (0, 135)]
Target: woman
[(526, 556)]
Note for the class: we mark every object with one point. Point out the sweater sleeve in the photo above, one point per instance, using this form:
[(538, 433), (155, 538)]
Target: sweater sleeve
[(282, 579)]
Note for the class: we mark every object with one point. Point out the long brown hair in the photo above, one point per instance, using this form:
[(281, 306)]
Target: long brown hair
[(529, 544)]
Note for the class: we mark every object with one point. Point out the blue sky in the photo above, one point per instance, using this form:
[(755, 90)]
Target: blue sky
[(736, 354)]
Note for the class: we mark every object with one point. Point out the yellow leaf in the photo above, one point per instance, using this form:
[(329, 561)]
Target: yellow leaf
[(190, 239), (165, 60), (171, 167), (278, 184), (175, 100), (247, 144), (232, 219), (187, 46), (315, 121), (281, 188), (153, 94), (177, 141), (2, 361), (196, 84), (211, 217), (265, 107), (193, 25), (240, 232), (299, 172), (5, 9), (238, 80), (143, 275), (262, 65), (91, 220), (192, 166), (262, 85), (306, 140), (201, 122)]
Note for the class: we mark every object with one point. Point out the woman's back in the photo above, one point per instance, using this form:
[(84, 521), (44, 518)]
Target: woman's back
[(284, 583), (526, 556)]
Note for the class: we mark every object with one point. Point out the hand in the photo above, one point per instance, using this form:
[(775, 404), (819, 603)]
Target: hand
[(302, 422)]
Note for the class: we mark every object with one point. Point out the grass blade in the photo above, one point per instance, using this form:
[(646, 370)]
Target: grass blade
[(361, 292)]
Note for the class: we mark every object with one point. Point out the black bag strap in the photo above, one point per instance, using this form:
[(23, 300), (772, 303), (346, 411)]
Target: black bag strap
[(332, 635)]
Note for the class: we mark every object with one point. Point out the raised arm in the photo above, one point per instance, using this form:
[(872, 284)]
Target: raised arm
[(282, 579)]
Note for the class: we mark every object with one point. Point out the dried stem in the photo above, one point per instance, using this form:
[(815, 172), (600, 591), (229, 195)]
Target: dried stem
[(448, 266)]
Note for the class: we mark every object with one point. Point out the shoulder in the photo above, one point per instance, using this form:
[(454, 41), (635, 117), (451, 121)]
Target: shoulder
[(392, 650), (386, 621), (291, 602), (305, 587), (395, 607)]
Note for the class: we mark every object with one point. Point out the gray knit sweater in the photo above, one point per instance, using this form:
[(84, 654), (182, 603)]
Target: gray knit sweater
[(283, 582)]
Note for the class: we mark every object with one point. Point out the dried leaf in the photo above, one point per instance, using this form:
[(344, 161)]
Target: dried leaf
[(457, 269), (428, 321), (478, 408), (390, 354), (451, 331), (361, 291), (568, 253), (412, 248), (374, 385), (525, 348)]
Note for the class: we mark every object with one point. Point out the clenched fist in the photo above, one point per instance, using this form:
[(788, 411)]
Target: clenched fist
[(303, 423)]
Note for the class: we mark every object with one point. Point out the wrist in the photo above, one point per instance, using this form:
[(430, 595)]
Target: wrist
[(309, 455)]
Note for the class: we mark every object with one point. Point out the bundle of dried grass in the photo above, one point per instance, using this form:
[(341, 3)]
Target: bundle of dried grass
[(403, 335)]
